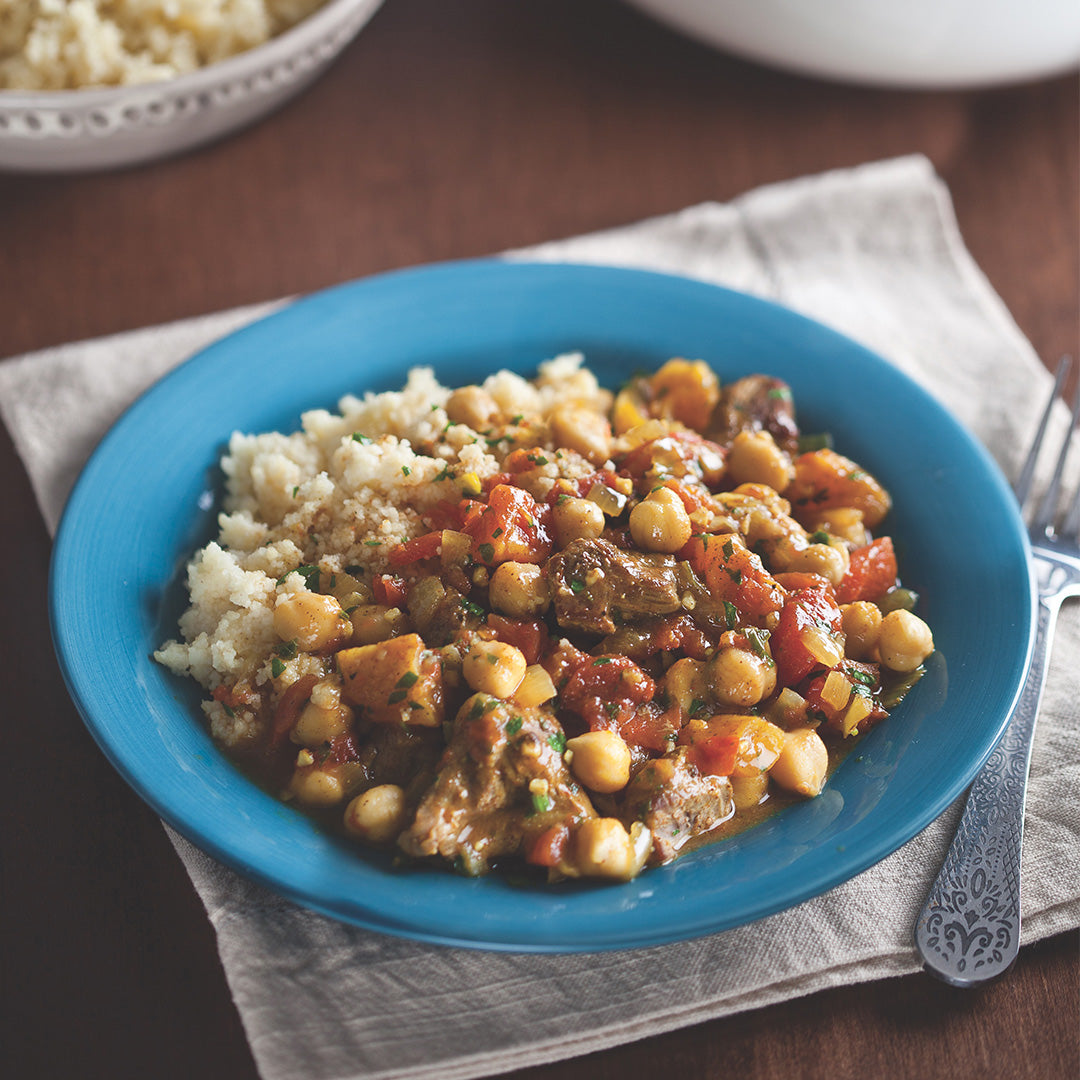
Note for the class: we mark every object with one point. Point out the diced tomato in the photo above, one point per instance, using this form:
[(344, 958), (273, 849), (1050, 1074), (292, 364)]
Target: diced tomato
[(652, 727), (524, 460), (732, 745), (548, 847), (606, 690), (416, 550), (446, 514), (680, 453), (389, 589), (811, 609), (732, 572), (342, 748), (715, 754), (530, 637), (872, 572), (494, 481), (288, 708), (681, 633), (511, 528)]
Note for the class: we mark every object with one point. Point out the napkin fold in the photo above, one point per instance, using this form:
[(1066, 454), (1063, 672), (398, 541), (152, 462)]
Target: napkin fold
[(873, 252)]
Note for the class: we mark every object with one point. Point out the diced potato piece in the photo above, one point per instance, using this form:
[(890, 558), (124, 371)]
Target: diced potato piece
[(395, 681), (825, 480), (802, 763), (685, 390)]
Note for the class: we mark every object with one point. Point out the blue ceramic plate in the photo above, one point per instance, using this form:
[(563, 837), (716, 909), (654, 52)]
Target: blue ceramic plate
[(150, 493)]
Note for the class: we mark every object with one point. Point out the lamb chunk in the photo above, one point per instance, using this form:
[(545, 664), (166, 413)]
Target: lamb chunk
[(501, 782), (676, 802), (593, 579), (756, 403)]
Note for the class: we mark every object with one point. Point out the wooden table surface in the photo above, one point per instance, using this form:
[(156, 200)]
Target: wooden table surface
[(452, 130)]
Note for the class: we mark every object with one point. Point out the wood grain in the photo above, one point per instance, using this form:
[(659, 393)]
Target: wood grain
[(451, 130)]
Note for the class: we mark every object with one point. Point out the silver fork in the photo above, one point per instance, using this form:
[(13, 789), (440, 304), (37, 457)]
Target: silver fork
[(968, 931)]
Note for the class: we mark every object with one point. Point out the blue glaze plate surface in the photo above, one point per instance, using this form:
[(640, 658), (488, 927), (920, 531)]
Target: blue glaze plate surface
[(150, 494)]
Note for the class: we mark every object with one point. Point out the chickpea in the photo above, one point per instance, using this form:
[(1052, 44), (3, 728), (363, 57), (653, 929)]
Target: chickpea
[(519, 590), (904, 641), (755, 458), (660, 522), (372, 623), (824, 559), (600, 760), (318, 724), (314, 621), (603, 848), (802, 763), (495, 668), (377, 815), (473, 406), (747, 791), (314, 787), (845, 522), (861, 621), (740, 677), (582, 430), (576, 519)]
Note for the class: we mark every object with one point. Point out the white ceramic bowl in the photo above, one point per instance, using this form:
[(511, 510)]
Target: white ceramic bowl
[(71, 130), (900, 43)]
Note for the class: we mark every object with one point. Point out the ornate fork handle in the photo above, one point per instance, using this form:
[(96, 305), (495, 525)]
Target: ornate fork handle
[(968, 931)]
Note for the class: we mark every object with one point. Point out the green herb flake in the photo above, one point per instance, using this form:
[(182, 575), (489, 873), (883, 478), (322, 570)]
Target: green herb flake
[(277, 667), (611, 708), (600, 661), (576, 586), (517, 419), (697, 706), (287, 649), (513, 725), (446, 474), (397, 696), (819, 537), (295, 490), (728, 549), (856, 474), (863, 677), (406, 471), (372, 543), (541, 802), (496, 534), (487, 552), (557, 742), (731, 614), (363, 440), (780, 393), (759, 641), (473, 608), (736, 576), (408, 679)]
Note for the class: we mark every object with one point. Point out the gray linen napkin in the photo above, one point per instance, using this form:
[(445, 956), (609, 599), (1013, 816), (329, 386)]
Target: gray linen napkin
[(873, 252)]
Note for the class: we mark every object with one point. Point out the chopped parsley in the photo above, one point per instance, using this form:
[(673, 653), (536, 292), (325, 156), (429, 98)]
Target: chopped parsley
[(600, 661), (759, 641), (576, 586), (487, 552), (277, 667), (557, 742), (819, 537), (731, 614), (513, 725), (473, 608), (362, 439), (397, 696), (287, 649), (541, 802), (408, 679), (406, 470)]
